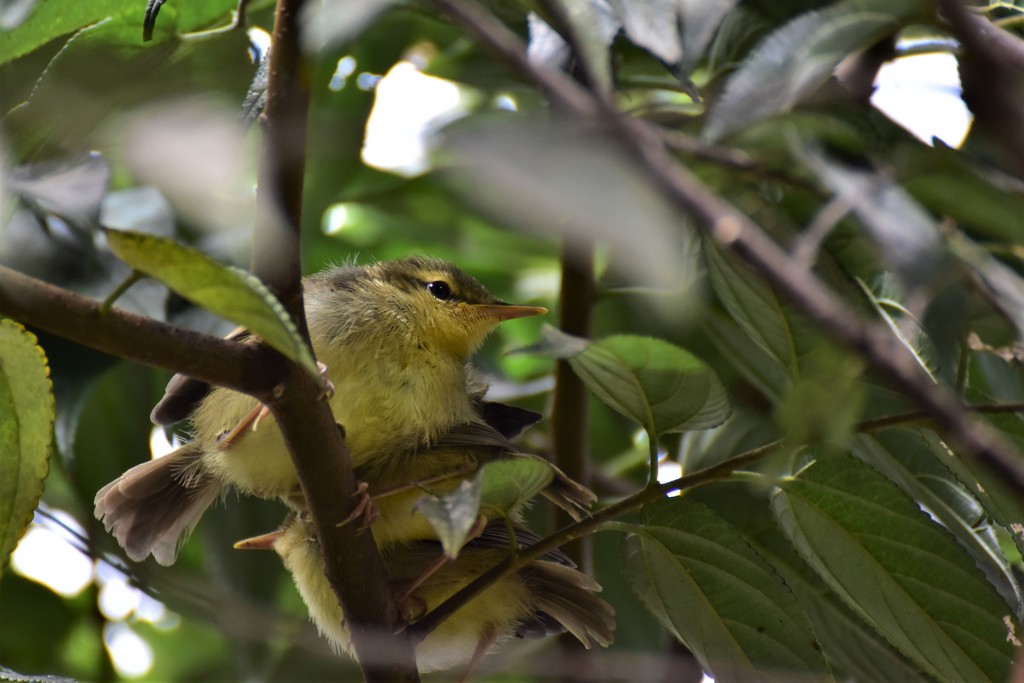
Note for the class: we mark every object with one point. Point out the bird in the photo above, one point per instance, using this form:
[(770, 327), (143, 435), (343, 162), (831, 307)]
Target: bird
[(547, 596), (395, 338)]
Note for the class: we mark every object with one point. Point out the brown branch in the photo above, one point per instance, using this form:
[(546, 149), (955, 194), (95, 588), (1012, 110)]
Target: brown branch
[(992, 75), (276, 257), (730, 228), (569, 413), (38, 304), (352, 565)]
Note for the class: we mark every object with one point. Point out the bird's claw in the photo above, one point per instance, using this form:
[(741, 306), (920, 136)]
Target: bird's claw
[(364, 510), (327, 386)]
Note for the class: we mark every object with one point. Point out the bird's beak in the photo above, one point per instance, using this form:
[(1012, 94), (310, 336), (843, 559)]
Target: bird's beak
[(501, 312), (264, 542)]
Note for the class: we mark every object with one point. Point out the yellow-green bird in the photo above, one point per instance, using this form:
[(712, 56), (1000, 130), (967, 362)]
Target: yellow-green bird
[(546, 597), (396, 337)]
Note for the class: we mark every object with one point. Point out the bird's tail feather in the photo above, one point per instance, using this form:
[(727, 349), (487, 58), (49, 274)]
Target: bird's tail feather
[(151, 508), (567, 596)]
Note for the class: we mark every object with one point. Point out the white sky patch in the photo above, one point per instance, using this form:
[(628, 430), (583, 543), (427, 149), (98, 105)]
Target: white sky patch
[(118, 599), (159, 444), (922, 94), (408, 107), (46, 556), (132, 656), (669, 470)]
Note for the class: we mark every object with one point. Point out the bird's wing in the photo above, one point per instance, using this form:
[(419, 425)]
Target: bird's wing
[(183, 393), (509, 421)]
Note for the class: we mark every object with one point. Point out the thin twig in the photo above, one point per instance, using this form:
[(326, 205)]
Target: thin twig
[(119, 291)]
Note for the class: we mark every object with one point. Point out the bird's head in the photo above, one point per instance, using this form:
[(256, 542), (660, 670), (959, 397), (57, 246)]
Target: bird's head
[(441, 305), (451, 309)]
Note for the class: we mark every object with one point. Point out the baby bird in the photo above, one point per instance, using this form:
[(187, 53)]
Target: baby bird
[(546, 597), (395, 337)]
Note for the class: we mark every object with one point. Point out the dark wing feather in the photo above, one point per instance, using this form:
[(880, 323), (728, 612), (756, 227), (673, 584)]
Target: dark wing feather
[(183, 393), (509, 421)]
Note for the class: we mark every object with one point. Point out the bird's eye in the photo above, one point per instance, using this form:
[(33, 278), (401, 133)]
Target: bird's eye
[(440, 290)]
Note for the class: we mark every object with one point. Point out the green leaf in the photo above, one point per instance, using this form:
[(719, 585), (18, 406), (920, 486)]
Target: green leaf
[(452, 515), (746, 357), (907, 457), (854, 650), (900, 571), (801, 55), (702, 580), (229, 292), (783, 333), (507, 484), (52, 19), (901, 323), (27, 412), (1001, 502), (661, 386), (500, 487)]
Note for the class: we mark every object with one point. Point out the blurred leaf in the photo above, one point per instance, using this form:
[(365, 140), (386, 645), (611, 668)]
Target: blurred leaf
[(826, 401), (701, 20), (542, 178), (653, 25), (29, 610), (452, 515), (13, 12), (703, 581), (1003, 285), (332, 23), (229, 292), (50, 20), (797, 58), (658, 385), (139, 209), (901, 572), (593, 26), (906, 235), (27, 413), (195, 151), (69, 190), (951, 184), (744, 430)]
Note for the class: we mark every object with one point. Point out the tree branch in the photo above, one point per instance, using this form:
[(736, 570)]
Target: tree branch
[(569, 413), (352, 565), (992, 76), (242, 367)]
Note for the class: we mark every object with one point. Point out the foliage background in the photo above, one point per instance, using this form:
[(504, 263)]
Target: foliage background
[(924, 240)]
